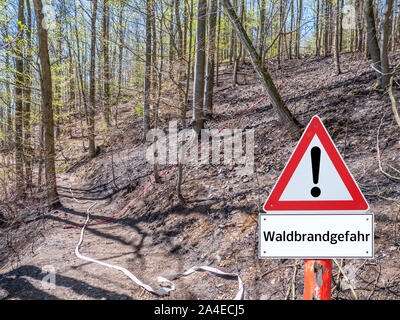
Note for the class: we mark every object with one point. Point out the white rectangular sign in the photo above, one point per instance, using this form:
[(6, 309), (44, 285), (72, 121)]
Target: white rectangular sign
[(316, 235)]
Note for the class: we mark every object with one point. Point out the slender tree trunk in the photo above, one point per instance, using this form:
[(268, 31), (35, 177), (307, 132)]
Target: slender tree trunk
[(282, 22), (9, 128), (120, 56), (277, 101), (179, 31), (154, 69), (185, 31), (373, 46), (352, 32), (238, 51), (359, 22), (198, 88), (147, 73), (58, 74), (106, 60), (337, 40), (71, 98), (262, 29), (341, 25), (184, 109), (19, 80), (92, 92), (392, 41), (317, 30), (291, 28), (396, 34), (387, 29), (232, 47), (156, 86), (208, 98), (81, 79), (47, 108), (298, 27), (40, 155), (218, 48), (171, 34), (321, 24), (326, 29), (27, 95), (331, 30)]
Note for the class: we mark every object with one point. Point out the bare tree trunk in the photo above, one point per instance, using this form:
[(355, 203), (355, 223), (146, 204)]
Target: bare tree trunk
[(331, 27), (387, 30), (392, 40), (373, 46), (71, 98), (9, 128), (198, 88), (147, 73), (359, 22), (120, 56), (352, 32), (57, 103), (282, 22), (171, 34), (326, 29), (27, 96), (317, 30), (233, 44), (19, 79), (184, 109), (156, 86), (298, 27), (179, 31), (208, 96), (291, 28), (396, 31), (92, 92), (238, 49), (47, 108), (218, 48), (341, 25), (106, 57), (262, 29), (40, 155), (280, 107), (80, 78), (337, 41), (242, 51), (321, 24)]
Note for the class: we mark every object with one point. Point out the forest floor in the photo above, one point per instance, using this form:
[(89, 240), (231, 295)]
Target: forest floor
[(217, 225)]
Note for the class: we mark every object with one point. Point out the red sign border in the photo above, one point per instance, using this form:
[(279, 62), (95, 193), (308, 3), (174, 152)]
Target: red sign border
[(316, 127)]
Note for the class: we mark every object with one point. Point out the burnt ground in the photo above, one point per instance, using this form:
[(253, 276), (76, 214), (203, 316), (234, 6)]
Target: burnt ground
[(217, 225)]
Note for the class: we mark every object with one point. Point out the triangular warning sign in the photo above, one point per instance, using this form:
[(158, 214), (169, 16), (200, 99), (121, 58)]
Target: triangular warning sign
[(316, 178)]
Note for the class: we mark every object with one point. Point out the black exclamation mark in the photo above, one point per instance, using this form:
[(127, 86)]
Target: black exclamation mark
[(315, 161)]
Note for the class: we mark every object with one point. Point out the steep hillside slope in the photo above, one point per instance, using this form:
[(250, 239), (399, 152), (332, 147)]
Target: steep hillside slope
[(217, 225)]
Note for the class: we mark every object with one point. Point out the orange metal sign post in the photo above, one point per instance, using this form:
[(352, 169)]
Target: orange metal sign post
[(317, 279)]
